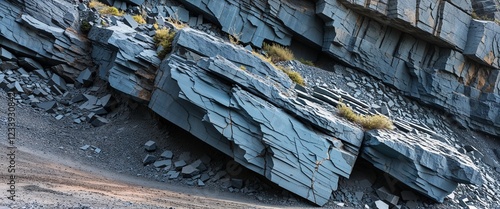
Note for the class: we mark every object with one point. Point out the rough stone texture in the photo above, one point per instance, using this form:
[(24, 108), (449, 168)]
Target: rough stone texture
[(425, 164), (127, 63), (433, 68), (44, 32), (483, 43), (419, 47), (257, 21), (244, 115)]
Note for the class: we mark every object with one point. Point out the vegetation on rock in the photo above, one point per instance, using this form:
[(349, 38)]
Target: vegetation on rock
[(368, 122)]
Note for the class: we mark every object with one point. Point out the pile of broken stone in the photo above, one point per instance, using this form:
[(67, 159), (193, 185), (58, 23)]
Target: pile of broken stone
[(201, 88)]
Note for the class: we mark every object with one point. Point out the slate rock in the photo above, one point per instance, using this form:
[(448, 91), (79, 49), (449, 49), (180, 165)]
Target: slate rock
[(414, 157), (150, 146), (127, 19), (173, 174), (200, 183), (41, 73), (5, 55), (58, 82), (179, 164), (98, 121), (262, 93), (386, 196), (47, 106), (148, 159), (381, 204), (85, 78), (167, 154), (185, 156), (162, 163), (189, 171), (29, 64)]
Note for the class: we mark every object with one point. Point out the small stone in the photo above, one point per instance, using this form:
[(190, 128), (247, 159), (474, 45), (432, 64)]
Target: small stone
[(189, 171), (85, 147), (97, 150), (385, 195), (200, 183), (173, 174), (162, 163), (150, 146), (59, 117), (204, 177), (381, 204), (167, 154), (352, 85), (179, 164), (148, 159)]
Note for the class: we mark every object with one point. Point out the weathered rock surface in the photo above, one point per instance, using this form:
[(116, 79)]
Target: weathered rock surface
[(420, 47), (421, 162), (44, 32), (245, 115), (257, 21), (127, 63)]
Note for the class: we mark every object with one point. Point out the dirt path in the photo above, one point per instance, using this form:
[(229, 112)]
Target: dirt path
[(54, 182)]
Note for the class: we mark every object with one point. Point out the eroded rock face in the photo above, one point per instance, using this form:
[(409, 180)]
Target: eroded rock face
[(432, 51), (256, 21), (44, 32), (128, 62), (261, 122), (290, 137), (421, 162)]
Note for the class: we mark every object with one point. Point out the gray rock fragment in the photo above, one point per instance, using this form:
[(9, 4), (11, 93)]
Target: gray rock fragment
[(150, 146), (423, 163), (167, 154), (189, 171), (162, 163), (148, 159)]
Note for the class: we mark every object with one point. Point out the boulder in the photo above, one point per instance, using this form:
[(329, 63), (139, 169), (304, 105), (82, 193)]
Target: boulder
[(421, 162)]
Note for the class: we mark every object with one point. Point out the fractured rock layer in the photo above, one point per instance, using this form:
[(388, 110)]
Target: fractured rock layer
[(228, 108)]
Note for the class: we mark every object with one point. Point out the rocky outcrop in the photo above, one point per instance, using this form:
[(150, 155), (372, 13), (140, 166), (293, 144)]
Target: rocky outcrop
[(423, 163), (291, 137), (262, 123), (257, 21), (126, 58), (45, 32), (432, 51)]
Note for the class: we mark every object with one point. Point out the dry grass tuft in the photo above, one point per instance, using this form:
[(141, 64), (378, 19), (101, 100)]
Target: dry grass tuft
[(277, 52), (164, 38), (368, 122), (105, 9), (139, 19), (294, 75)]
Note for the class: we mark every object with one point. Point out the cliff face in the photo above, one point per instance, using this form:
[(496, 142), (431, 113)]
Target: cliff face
[(240, 104), (45, 32), (431, 50)]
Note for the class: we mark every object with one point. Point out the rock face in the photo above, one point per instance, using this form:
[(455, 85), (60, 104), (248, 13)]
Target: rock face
[(128, 62), (432, 51), (421, 162), (285, 134), (257, 21), (44, 32), (229, 108)]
